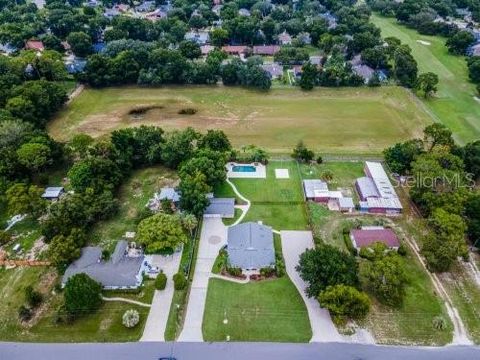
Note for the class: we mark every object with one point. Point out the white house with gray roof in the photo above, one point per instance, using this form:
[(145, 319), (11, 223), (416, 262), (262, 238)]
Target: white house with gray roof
[(121, 271), (53, 192), (250, 246)]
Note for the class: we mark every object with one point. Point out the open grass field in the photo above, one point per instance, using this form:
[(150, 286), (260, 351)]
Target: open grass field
[(277, 202), (132, 196), (270, 310), (361, 120), (454, 104)]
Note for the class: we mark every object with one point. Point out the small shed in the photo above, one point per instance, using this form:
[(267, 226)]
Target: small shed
[(53, 192), (168, 193), (367, 236), (345, 204)]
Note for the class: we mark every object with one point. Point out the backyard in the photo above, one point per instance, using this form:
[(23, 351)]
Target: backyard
[(454, 105), (363, 120), (270, 310)]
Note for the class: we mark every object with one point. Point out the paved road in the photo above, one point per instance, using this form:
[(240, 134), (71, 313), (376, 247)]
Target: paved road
[(212, 238), (162, 300), (231, 351)]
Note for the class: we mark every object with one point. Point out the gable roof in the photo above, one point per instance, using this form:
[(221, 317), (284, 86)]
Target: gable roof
[(34, 45), (266, 49), (169, 194), (250, 246), (366, 187), (366, 237)]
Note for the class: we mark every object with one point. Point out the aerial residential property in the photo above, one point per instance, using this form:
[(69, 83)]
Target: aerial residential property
[(184, 180)]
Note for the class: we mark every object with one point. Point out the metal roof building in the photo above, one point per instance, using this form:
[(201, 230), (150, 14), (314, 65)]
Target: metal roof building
[(310, 186), (384, 187), (366, 188), (250, 246), (53, 192)]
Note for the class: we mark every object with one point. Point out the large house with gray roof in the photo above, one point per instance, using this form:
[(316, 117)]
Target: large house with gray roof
[(124, 269), (250, 246)]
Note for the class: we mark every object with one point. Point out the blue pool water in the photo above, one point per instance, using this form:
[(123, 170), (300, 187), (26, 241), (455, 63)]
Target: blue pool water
[(244, 168)]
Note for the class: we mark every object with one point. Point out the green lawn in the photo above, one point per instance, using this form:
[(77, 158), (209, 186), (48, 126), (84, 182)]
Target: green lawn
[(270, 310), (454, 104), (363, 120), (103, 325), (277, 202), (238, 213), (133, 196)]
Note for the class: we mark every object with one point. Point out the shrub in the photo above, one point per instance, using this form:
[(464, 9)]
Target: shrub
[(179, 281), (234, 271), (32, 297), (402, 250), (344, 302), (319, 160), (24, 313), (131, 318), (267, 271), (187, 111), (4, 237), (439, 323), (280, 268), (161, 281), (348, 243)]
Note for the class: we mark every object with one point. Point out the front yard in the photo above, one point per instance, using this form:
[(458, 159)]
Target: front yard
[(270, 310)]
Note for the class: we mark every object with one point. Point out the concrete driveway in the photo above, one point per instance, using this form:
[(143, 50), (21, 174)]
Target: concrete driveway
[(162, 300), (294, 243), (212, 238)]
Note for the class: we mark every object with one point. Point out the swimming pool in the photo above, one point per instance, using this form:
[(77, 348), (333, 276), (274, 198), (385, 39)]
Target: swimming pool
[(244, 168)]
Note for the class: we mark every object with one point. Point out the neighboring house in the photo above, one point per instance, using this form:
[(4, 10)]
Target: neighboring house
[(317, 190), (216, 9), (266, 50), (274, 69), (235, 49), (368, 235), (145, 6), (244, 12), (166, 193), (75, 65), (111, 13), (316, 60), (331, 20), (250, 246), (365, 71), (7, 49), (124, 269), (304, 38), (474, 50), (284, 38), (376, 192), (206, 49), (201, 37), (53, 193), (34, 45), (220, 207), (156, 15)]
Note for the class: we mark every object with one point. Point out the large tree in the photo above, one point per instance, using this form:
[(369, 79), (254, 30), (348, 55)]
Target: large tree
[(400, 156), (459, 43), (327, 266), (210, 163), (82, 295), (34, 156), (386, 277), (194, 189), (427, 83), (62, 250), (25, 199), (161, 233), (309, 77), (80, 42)]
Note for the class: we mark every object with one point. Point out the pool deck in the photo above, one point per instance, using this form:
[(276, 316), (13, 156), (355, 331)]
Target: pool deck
[(260, 173)]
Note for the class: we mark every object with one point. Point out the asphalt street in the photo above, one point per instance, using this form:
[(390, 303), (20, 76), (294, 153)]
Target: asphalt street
[(231, 351)]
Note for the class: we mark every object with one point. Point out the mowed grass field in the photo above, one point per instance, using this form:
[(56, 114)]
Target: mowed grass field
[(454, 105), (361, 120)]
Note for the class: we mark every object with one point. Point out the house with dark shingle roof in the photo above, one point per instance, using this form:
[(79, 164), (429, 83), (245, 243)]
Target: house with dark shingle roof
[(250, 246), (121, 271), (220, 207)]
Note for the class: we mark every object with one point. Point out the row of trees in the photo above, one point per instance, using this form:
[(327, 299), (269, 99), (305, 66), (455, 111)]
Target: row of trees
[(443, 176)]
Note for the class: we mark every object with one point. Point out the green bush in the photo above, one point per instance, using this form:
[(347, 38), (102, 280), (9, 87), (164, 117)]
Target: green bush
[(24, 313), (348, 243), (234, 271), (179, 281), (402, 250), (280, 267), (161, 281), (32, 297), (267, 271)]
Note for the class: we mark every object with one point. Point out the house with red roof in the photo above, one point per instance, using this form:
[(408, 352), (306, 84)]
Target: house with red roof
[(34, 45), (368, 235), (266, 50)]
